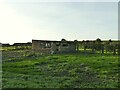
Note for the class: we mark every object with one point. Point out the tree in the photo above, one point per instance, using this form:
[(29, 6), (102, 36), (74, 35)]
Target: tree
[(76, 44), (75, 41), (63, 40), (110, 40), (99, 46), (98, 40)]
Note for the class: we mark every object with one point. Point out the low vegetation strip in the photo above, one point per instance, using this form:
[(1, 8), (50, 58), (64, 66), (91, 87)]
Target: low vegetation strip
[(78, 70)]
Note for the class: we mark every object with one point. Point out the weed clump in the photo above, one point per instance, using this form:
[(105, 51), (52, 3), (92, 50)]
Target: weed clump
[(31, 54)]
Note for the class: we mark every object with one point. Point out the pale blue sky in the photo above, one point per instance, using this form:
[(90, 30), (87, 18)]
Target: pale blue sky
[(24, 21)]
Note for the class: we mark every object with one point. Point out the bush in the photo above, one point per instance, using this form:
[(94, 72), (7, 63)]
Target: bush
[(32, 54)]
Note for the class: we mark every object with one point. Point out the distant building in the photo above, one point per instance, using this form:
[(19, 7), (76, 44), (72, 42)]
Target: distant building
[(22, 44), (50, 47), (5, 45)]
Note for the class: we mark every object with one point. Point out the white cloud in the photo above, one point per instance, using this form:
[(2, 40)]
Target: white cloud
[(22, 28), (13, 27), (23, 22)]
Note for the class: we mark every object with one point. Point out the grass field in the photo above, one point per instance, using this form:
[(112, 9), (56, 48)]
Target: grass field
[(25, 69)]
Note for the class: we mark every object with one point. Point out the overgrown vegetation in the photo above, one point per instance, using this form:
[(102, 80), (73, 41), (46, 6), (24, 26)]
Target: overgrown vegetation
[(10, 48), (26, 69)]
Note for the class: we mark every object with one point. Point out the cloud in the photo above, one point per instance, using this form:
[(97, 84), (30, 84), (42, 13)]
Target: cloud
[(13, 27), (23, 22)]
